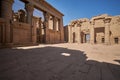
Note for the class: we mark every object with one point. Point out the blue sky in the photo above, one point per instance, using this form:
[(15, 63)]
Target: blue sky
[(75, 9)]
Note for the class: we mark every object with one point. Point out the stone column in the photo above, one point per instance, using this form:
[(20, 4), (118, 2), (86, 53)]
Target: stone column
[(84, 38), (107, 30), (46, 27), (118, 40), (79, 33), (70, 33), (92, 32), (54, 28), (29, 8), (40, 28), (6, 13), (61, 30), (54, 23), (2, 31), (76, 33)]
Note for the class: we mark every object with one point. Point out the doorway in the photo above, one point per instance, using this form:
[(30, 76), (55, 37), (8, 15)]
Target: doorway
[(103, 40), (116, 40), (87, 38), (73, 37)]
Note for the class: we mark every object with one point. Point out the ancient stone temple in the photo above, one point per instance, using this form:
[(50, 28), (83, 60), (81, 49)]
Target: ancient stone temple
[(23, 28), (100, 29)]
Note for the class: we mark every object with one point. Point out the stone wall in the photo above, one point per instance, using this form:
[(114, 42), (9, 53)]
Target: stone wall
[(21, 28), (21, 33), (66, 34), (54, 36), (2, 31), (115, 29), (101, 29)]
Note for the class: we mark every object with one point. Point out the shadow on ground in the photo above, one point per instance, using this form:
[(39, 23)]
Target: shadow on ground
[(53, 63)]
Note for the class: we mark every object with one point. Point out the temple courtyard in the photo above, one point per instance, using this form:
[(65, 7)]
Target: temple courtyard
[(67, 61)]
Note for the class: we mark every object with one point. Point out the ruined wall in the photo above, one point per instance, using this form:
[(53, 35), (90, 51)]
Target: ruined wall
[(102, 29), (115, 28), (54, 37), (21, 33), (20, 27), (85, 24)]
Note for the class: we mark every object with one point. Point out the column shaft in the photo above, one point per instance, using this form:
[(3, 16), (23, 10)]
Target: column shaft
[(6, 13), (92, 33), (29, 8), (118, 40), (70, 34), (61, 30), (80, 34), (54, 23), (107, 34), (107, 30), (46, 26)]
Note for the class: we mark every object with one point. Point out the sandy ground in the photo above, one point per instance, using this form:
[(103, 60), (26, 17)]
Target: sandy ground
[(61, 62)]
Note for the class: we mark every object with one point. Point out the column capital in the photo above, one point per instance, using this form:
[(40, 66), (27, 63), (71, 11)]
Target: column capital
[(73, 23), (29, 7), (79, 23), (107, 20), (55, 18), (46, 15), (46, 21)]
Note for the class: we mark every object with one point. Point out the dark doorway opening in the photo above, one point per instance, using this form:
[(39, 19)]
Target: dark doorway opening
[(82, 37), (73, 37), (116, 40), (103, 40), (99, 30)]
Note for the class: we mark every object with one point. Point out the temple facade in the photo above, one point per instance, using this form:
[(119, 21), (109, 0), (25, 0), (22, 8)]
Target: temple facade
[(23, 28), (101, 29)]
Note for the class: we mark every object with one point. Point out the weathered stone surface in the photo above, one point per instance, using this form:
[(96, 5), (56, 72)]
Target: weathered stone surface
[(23, 28), (99, 29)]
